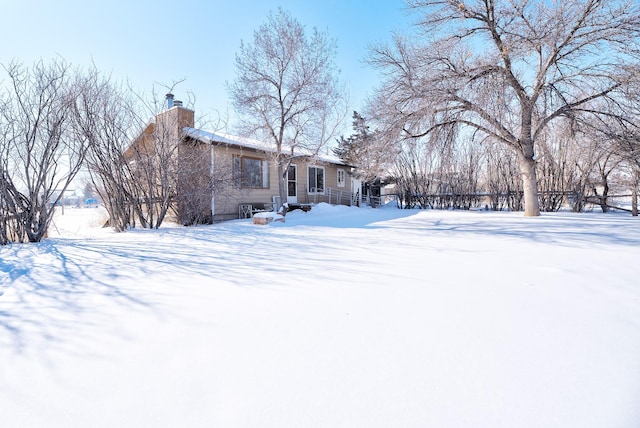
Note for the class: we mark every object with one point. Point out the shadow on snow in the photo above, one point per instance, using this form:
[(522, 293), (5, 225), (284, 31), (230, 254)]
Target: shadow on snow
[(54, 281)]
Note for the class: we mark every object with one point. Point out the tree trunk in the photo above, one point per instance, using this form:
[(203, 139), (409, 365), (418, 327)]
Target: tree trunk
[(529, 185), (282, 187), (634, 197), (604, 203)]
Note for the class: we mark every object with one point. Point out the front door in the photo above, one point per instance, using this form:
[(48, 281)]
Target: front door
[(292, 184)]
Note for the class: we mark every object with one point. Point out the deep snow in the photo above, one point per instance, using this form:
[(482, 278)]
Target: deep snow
[(340, 317)]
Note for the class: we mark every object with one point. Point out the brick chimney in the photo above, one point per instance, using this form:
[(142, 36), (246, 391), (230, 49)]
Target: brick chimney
[(174, 120)]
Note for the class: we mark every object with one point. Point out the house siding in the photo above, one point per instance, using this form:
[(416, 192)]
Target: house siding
[(228, 196), (330, 181)]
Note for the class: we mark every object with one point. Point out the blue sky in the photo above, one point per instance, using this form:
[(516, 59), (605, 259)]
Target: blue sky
[(161, 41)]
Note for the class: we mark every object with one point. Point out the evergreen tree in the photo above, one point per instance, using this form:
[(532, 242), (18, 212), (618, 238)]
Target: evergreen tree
[(362, 149)]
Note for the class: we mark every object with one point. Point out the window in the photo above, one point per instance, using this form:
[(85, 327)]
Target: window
[(292, 183), (342, 178), (316, 180), (250, 173)]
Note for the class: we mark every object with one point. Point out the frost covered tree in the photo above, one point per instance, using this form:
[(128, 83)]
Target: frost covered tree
[(504, 70), (286, 91), (620, 137)]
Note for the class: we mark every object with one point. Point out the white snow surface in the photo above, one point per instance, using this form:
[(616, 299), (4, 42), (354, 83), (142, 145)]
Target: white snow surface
[(340, 317)]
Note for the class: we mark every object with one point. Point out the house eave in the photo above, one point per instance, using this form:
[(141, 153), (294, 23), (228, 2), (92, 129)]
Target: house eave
[(225, 140)]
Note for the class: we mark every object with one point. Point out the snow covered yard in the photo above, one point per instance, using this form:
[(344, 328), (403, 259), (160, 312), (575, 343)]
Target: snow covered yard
[(340, 317)]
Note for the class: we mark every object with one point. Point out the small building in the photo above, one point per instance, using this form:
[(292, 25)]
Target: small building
[(222, 177)]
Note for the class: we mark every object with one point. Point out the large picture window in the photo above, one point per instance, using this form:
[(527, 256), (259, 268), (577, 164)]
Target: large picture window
[(316, 180), (251, 173)]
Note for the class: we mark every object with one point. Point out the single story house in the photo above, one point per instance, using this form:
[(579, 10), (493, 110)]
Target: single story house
[(222, 177)]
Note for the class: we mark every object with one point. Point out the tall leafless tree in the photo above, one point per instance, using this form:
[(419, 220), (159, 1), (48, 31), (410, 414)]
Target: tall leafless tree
[(621, 138), (286, 90), (501, 182), (153, 159), (39, 153), (104, 117), (508, 69), (416, 174), (615, 142)]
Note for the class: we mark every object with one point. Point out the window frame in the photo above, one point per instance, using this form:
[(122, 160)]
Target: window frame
[(242, 180), (341, 177), (316, 168)]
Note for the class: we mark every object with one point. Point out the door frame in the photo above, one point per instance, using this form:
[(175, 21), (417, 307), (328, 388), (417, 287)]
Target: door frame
[(292, 199)]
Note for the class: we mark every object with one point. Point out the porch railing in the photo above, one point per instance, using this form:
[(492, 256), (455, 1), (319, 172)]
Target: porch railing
[(341, 197)]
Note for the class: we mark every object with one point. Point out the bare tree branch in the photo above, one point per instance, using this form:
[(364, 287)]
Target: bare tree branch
[(286, 90)]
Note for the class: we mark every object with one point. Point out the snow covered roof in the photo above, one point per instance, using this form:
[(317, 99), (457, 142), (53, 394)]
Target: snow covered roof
[(217, 138)]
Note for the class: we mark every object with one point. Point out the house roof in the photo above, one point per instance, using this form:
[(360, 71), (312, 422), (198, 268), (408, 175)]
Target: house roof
[(216, 138)]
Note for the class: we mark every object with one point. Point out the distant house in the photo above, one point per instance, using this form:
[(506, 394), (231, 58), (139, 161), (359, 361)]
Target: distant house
[(223, 177)]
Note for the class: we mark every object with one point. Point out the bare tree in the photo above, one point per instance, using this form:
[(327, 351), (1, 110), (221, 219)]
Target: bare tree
[(286, 90), (153, 159), (501, 177), (624, 140), (507, 69), (40, 155), (103, 116), (415, 173), (433, 172), (615, 139), (136, 149), (173, 172), (464, 173), (581, 155)]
